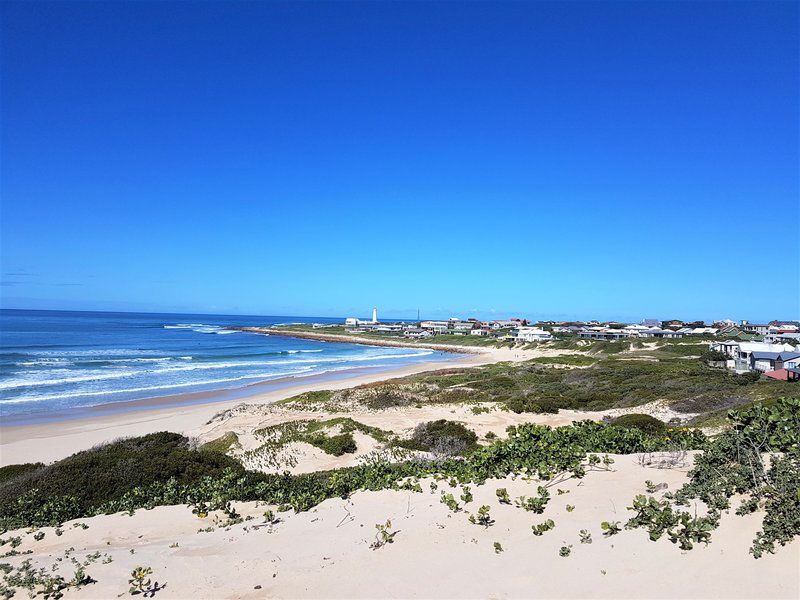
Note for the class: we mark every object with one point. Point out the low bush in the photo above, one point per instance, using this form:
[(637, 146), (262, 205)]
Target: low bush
[(337, 445), (642, 422), (713, 356), (107, 472), (441, 437), (387, 397), (10, 472)]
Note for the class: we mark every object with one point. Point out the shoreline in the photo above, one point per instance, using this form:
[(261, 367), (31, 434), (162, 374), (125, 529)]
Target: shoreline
[(187, 413)]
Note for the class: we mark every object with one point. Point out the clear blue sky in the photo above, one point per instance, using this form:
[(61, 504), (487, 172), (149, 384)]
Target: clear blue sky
[(611, 160)]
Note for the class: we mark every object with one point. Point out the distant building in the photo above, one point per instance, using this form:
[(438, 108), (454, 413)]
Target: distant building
[(533, 334), (417, 332), (604, 334), (356, 322), (759, 329), (435, 326), (773, 361), (660, 333), (502, 324), (651, 323)]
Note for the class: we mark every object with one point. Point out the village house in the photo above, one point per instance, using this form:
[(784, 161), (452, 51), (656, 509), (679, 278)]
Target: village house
[(503, 324), (741, 353), (603, 334), (532, 334), (480, 331), (660, 333), (773, 361), (435, 326), (758, 329), (417, 332)]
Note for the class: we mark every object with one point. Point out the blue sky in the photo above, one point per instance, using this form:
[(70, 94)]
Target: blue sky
[(610, 160)]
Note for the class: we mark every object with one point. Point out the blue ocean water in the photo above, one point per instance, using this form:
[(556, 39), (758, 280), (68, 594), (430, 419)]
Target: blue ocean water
[(57, 360)]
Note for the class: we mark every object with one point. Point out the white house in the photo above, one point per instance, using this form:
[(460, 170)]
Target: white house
[(435, 326), (417, 332), (533, 334), (500, 324)]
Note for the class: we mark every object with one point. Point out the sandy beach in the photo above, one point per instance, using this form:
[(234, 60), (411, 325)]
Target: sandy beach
[(47, 442)]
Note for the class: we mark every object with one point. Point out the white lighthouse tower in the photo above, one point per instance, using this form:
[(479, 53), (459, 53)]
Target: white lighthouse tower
[(375, 315)]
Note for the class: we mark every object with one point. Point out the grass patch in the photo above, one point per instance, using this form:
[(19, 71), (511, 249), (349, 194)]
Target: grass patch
[(306, 399), (223, 443), (687, 385), (574, 360), (337, 445)]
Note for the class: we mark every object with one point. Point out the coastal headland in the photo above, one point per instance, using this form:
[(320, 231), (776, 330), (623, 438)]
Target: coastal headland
[(367, 341)]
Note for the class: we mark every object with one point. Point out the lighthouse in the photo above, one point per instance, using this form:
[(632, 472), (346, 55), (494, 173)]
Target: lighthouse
[(375, 315)]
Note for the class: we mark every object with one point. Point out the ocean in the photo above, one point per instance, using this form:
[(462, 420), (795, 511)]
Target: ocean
[(57, 361)]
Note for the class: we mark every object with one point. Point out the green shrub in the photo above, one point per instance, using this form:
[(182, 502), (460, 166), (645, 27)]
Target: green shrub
[(10, 472), (108, 471), (642, 422), (337, 445), (713, 356), (442, 437), (387, 397)]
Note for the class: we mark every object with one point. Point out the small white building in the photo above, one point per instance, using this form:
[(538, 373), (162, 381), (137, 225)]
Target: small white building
[(435, 326), (533, 334), (417, 332)]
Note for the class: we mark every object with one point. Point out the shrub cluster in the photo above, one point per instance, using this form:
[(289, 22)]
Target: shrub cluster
[(106, 473), (162, 479)]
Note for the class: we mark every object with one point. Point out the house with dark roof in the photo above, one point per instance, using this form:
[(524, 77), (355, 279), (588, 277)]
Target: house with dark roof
[(774, 361)]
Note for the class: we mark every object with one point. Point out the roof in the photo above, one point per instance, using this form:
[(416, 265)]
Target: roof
[(782, 374), (775, 355)]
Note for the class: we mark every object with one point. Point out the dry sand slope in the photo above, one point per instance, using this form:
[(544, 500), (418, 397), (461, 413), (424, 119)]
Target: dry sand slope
[(325, 552)]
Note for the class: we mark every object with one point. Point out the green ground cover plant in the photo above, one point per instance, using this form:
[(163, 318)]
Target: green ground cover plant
[(734, 464), (212, 480)]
